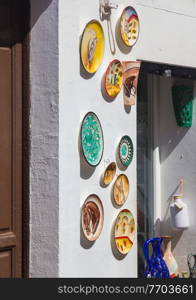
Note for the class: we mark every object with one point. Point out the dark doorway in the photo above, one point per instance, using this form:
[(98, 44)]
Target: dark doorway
[(12, 24)]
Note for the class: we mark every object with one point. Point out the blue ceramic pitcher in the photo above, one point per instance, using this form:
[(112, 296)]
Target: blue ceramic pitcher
[(156, 266)]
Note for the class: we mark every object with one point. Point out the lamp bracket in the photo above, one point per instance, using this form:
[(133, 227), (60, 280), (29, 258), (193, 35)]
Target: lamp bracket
[(106, 6)]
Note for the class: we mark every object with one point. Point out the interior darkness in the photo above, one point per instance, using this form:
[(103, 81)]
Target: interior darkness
[(161, 69)]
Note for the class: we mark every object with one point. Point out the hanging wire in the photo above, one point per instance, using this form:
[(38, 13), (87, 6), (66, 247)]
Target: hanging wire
[(111, 37)]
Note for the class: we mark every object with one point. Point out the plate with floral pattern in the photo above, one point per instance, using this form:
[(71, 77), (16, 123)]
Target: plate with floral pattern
[(126, 150), (92, 141)]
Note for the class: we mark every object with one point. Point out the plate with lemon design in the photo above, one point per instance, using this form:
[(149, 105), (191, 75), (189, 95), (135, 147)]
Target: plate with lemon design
[(124, 231)]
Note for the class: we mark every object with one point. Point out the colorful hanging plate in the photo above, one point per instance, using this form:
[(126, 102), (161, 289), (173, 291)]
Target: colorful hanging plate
[(126, 150), (92, 139), (114, 78), (124, 231), (121, 189), (109, 173), (92, 46), (129, 26), (92, 217)]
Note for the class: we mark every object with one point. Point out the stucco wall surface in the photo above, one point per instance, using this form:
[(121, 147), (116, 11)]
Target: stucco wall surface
[(44, 176), (164, 37)]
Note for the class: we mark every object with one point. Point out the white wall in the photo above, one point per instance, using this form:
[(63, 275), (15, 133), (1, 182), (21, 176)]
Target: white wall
[(164, 37), (77, 97), (44, 139)]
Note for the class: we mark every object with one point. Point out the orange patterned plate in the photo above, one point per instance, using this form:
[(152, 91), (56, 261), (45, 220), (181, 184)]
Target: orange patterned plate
[(114, 78), (121, 189), (124, 231)]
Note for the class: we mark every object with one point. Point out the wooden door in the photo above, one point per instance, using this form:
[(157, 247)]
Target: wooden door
[(10, 139)]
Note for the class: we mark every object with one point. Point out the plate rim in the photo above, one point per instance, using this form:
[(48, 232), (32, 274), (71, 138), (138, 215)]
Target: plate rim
[(81, 39), (91, 112), (102, 221), (106, 73), (121, 26), (125, 136)]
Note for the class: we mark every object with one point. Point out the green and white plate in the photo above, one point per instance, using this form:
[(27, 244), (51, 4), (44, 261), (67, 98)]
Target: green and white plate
[(126, 150), (92, 139)]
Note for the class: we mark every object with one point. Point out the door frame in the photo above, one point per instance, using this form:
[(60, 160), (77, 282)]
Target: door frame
[(25, 137)]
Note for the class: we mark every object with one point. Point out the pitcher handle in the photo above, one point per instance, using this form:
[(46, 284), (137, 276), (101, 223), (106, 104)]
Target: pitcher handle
[(146, 250), (189, 260)]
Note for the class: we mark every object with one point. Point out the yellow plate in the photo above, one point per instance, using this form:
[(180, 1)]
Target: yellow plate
[(114, 78), (129, 26), (92, 46), (121, 189), (124, 231)]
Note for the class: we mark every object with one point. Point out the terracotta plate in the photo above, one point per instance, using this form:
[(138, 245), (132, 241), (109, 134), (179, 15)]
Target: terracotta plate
[(124, 231), (121, 189), (129, 26), (109, 173), (114, 78), (92, 46), (92, 217)]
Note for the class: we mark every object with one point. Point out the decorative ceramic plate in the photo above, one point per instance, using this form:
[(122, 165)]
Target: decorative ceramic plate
[(92, 46), (129, 26), (126, 150), (92, 217), (121, 189), (109, 173), (124, 231), (114, 78), (92, 139)]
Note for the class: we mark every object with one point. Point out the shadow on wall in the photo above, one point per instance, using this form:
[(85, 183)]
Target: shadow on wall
[(171, 134), (86, 171), (38, 9)]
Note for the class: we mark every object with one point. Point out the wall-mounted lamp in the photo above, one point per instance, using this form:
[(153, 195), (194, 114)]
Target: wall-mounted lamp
[(105, 11), (167, 73), (105, 8), (182, 96)]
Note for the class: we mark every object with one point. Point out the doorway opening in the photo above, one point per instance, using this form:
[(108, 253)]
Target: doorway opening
[(14, 125), (158, 136)]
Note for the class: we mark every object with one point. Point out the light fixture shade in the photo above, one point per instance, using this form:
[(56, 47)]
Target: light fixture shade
[(182, 96)]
